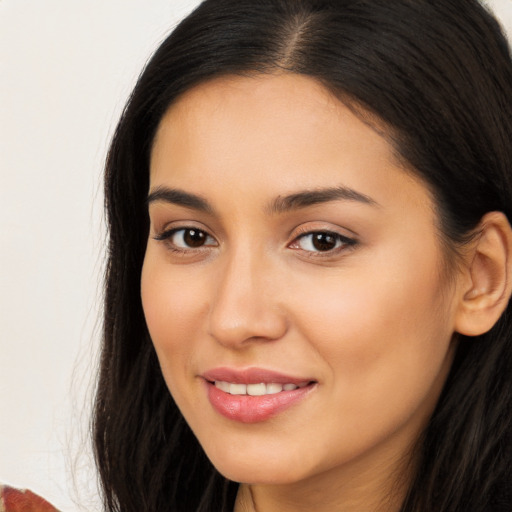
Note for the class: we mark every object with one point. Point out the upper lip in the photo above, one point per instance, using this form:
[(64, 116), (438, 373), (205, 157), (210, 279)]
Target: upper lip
[(252, 376)]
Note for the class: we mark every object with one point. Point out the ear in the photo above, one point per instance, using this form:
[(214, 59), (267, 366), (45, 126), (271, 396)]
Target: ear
[(487, 282)]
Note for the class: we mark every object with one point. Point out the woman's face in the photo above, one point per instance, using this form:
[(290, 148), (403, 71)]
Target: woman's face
[(293, 282)]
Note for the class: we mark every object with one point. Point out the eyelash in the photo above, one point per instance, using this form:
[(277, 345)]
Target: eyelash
[(342, 242), (166, 237)]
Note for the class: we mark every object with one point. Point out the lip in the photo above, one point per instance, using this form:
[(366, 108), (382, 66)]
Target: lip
[(252, 376), (253, 409)]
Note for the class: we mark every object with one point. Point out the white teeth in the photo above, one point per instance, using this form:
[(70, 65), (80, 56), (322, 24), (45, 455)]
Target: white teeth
[(257, 389), (274, 388), (260, 389), (237, 389), (222, 385)]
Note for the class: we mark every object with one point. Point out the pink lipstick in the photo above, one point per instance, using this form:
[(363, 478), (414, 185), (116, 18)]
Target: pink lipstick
[(254, 394)]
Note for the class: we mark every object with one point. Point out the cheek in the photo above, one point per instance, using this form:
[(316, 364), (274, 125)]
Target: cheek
[(173, 303), (385, 333), (387, 305)]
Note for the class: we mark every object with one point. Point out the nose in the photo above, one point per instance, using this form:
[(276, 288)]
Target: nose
[(245, 307)]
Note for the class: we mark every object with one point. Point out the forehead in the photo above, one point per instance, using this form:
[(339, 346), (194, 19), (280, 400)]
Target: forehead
[(285, 130), (296, 104)]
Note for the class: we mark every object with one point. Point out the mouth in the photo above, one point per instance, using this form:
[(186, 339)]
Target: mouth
[(259, 389), (254, 395)]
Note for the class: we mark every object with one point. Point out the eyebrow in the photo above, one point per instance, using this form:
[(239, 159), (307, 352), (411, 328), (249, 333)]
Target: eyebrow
[(281, 204), (308, 198), (180, 198)]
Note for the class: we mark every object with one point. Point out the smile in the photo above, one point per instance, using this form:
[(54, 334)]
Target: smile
[(254, 395), (260, 389)]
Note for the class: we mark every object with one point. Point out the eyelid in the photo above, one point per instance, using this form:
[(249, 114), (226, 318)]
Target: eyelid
[(164, 229), (165, 236), (311, 227), (347, 242), (323, 227)]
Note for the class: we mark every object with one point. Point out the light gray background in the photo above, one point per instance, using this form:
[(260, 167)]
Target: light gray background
[(66, 68)]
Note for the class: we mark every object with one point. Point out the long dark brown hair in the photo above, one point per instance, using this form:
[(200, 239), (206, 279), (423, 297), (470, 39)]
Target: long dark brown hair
[(438, 74)]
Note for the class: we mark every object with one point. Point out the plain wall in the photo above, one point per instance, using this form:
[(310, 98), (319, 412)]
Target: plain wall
[(66, 68)]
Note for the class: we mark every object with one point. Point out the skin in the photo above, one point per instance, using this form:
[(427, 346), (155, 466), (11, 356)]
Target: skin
[(371, 322)]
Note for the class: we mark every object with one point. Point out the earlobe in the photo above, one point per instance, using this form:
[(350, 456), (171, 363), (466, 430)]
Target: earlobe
[(488, 286)]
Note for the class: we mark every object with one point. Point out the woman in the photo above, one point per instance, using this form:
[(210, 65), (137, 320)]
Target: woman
[(308, 289)]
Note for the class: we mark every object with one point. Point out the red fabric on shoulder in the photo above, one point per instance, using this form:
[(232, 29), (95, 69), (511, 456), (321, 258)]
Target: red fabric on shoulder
[(16, 500)]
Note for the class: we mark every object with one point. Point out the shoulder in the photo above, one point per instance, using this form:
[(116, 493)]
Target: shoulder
[(20, 500)]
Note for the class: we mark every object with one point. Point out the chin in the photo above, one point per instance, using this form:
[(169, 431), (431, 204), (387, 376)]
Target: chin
[(261, 467), (262, 475)]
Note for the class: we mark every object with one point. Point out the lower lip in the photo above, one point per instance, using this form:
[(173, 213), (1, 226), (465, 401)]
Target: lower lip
[(253, 409)]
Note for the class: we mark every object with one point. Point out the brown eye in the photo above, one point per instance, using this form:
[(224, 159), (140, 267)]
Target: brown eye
[(194, 237), (187, 238), (322, 241)]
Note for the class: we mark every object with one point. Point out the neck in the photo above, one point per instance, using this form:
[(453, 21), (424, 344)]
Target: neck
[(360, 488)]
